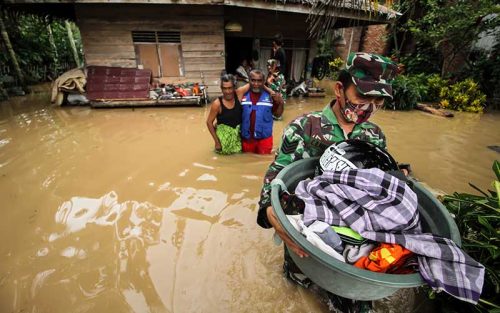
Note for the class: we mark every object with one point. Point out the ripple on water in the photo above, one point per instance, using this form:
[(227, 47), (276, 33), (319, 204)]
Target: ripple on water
[(4, 142)]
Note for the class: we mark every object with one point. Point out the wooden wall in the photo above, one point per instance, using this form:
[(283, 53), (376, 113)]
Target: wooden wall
[(267, 23), (106, 31)]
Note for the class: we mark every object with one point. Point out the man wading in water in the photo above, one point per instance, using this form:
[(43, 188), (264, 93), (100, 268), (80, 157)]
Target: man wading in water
[(227, 110), (360, 91)]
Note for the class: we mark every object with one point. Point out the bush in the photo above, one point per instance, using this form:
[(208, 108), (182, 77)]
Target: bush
[(435, 83), (407, 91), (424, 59), (334, 68), (463, 96), (478, 220), (485, 69)]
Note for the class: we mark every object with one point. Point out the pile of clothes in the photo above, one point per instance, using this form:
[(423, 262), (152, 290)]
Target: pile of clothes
[(71, 82), (369, 218)]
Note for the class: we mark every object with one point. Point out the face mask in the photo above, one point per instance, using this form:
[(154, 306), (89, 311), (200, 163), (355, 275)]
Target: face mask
[(357, 113)]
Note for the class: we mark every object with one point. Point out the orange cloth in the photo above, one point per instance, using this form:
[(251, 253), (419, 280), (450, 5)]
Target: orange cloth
[(385, 258)]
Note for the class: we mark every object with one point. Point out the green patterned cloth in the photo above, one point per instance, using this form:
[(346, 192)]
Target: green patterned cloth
[(229, 139), (308, 136), (372, 74), (279, 85)]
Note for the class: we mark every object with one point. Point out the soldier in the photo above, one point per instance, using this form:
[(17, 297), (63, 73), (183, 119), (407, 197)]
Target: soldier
[(275, 79), (360, 91)]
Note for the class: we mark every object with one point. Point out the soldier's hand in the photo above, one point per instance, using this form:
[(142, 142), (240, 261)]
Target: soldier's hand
[(273, 220)]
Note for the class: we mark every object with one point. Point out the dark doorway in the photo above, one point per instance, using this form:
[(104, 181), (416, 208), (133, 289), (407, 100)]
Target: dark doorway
[(237, 49)]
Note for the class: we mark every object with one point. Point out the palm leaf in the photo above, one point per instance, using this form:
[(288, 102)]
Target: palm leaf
[(324, 13), (496, 169)]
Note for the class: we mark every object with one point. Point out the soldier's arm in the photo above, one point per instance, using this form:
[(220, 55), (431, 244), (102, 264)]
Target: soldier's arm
[(290, 150), (240, 92), (278, 104), (383, 140)]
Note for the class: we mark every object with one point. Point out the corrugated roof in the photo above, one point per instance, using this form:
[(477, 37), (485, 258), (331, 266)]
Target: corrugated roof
[(117, 83)]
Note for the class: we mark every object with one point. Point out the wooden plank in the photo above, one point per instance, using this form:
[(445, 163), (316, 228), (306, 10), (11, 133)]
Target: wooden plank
[(113, 63), (195, 100), (171, 61), (216, 60), (158, 11), (202, 47), (179, 22), (316, 94), (206, 32), (107, 40), (202, 54), (189, 67), (99, 29), (108, 49), (114, 55), (206, 73), (199, 38), (148, 57), (429, 109)]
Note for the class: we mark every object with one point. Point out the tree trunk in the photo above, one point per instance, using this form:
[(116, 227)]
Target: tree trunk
[(12, 54), (430, 109), (3, 93), (72, 44), (55, 56)]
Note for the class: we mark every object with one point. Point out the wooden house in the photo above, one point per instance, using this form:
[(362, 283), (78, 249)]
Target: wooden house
[(192, 41)]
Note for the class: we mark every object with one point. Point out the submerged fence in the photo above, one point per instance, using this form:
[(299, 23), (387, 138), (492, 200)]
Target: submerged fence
[(33, 74)]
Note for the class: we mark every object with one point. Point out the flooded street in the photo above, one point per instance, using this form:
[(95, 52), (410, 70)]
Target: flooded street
[(129, 210)]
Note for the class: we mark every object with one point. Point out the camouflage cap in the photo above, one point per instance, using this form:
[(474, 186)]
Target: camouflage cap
[(372, 74)]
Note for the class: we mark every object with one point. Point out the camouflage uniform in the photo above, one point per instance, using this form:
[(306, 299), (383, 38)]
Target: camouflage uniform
[(371, 74), (279, 85), (308, 136)]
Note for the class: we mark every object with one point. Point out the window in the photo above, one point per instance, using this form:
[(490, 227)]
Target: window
[(161, 52)]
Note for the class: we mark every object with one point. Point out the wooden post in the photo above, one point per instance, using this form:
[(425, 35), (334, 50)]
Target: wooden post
[(313, 50), (55, 56), (12, 54), (72, 43)]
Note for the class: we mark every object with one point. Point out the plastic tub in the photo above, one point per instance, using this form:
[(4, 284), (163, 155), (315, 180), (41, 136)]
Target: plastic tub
[(344, 279)]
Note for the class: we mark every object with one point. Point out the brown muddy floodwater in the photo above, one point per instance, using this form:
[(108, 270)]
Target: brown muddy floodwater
[(125, 210)]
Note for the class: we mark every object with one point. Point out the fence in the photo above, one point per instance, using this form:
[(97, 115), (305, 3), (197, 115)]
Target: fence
[(33, 73)]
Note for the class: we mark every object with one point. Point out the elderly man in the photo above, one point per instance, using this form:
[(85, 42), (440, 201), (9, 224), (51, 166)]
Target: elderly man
[(259, 106), (360, 91)]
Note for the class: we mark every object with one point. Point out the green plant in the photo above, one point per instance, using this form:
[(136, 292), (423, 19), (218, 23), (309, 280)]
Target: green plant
[(463, 96), (334, 67), (484, 67), (478, 220), (446, 28), (407, 91), (422, 60), (435, 83), (30, 40)]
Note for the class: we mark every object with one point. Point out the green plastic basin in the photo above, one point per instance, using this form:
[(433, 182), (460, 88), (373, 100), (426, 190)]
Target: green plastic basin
[(344, 279)]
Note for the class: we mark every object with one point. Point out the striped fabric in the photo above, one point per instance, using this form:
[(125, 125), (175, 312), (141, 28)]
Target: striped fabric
[(383, 208)]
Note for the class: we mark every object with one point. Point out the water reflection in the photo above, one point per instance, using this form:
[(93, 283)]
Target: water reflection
[(105, 243)]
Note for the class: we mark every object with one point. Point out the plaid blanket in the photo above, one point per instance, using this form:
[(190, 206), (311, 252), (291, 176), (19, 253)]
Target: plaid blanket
[(383, 208)]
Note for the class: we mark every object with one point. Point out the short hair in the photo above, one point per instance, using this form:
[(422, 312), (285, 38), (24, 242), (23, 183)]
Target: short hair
[(278, 39), (272, 62), (227, 78), (258, 72), (345, 78)]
